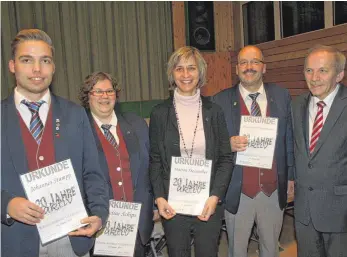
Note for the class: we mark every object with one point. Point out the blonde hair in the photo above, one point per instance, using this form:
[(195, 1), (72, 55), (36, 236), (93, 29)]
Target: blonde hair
[(186, 52)]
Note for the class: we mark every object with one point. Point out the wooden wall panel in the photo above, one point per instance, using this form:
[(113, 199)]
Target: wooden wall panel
[(178, 23), (218, 73), (285, 58), (223, 22)]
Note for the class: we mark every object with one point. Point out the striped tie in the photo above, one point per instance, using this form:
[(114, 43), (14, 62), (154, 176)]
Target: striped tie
[(110, 138), (255, 109), (36, 126), (317, 126)]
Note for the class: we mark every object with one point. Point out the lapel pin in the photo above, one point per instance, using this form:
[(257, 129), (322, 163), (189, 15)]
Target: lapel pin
[(235, 103), (57, 125)]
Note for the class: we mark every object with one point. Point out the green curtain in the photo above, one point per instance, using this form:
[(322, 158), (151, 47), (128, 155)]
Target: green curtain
[(130, 40)]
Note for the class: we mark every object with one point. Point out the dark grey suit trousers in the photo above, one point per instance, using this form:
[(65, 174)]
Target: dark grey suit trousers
[(312, 243)]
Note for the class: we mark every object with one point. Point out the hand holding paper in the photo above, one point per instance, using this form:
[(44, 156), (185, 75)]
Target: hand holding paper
[(94, 224), (55, 189), (25, 211), (209, 208), (238, 143), (165, 210)]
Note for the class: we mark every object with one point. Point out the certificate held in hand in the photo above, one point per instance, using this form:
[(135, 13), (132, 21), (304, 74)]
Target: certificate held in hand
[(261, 134), (189, 184), (118, 238), (55, 189)]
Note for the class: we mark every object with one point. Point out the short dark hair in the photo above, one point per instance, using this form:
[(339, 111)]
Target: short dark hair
[(90, 81), (28, 35)]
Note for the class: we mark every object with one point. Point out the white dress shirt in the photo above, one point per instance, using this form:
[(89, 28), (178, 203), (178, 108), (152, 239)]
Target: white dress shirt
[(113, 124), (24, 111), (313, 108), (261, 99)]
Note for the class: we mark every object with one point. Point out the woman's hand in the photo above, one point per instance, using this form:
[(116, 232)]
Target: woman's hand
[(209, 209), (164, 208)]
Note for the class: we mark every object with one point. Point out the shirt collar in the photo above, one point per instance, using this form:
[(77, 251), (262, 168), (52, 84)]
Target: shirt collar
[(245, 93), (18, 97), (328, 100), (112, 122)]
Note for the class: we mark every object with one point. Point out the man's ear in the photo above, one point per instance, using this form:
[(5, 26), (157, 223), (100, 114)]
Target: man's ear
[(11, 66), (264, 69), (340, 76)]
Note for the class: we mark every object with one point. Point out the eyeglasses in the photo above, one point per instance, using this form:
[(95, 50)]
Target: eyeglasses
[(255, 62), (109, 92)]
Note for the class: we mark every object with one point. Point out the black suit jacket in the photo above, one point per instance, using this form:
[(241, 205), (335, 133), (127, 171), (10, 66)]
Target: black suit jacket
[(135, 133), (165, 143)]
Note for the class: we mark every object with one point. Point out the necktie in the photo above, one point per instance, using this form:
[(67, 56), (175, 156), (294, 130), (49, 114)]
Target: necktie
[(36, 126), (255, 109), (317, 126), (110, 138)]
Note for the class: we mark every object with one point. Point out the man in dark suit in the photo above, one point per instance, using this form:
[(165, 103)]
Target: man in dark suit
[(123, 144), (40, 129), (257, 195), (320, 131)]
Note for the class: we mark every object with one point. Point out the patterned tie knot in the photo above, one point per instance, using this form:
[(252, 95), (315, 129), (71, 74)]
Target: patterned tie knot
[(321, 104), (106, 127), (110, 138), (254, 96), (33, 106), (36, 125)]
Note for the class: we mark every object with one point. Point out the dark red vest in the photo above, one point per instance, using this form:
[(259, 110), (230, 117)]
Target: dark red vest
[(43, 155), (121, 181), (255, 179)]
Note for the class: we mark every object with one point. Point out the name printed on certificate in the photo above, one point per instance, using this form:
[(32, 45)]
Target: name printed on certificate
[(118, 238), (189, 184), (55, 189), (261, 134)]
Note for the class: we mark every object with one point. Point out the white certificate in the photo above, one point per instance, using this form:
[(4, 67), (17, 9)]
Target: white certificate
[(119, 236), (55, 189), (261, 133), (189, 184)]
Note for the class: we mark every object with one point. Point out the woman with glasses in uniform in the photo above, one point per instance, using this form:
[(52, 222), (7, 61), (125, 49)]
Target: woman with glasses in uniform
[(122, 140), (189, 125)]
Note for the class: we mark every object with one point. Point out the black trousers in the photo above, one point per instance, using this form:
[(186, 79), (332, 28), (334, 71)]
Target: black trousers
[(179, 229), (312, 243)]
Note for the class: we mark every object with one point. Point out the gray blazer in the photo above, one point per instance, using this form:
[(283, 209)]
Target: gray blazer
[(76, 142), (321, 178)]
